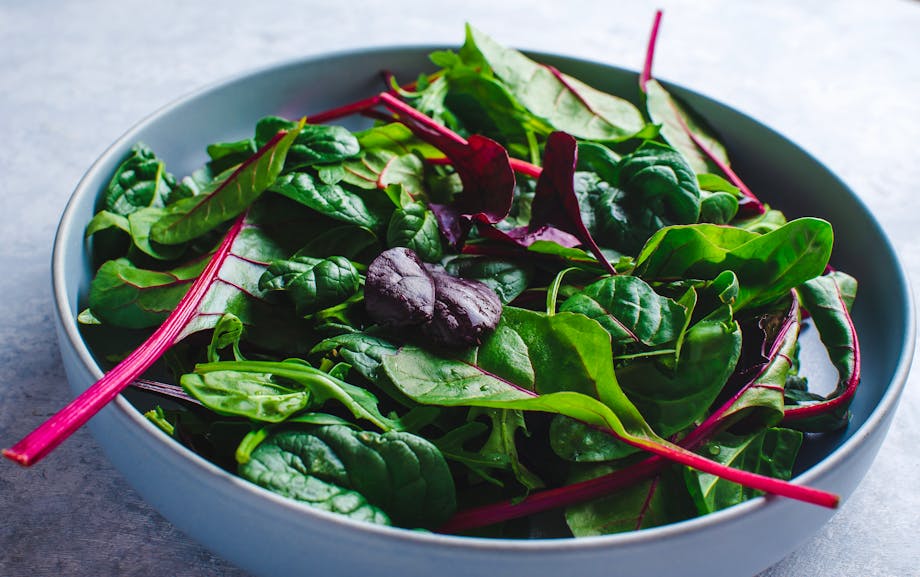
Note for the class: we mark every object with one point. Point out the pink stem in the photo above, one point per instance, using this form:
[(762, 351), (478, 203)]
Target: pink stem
[(650, 52), (343, 111), (401, 108), (518, 165), (65, 422), (844, 398)]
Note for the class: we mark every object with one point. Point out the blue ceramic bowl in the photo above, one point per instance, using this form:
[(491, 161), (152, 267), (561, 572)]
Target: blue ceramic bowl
[(269, 535)]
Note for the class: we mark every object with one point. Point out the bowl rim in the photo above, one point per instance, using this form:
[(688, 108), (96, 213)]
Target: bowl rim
[(60, 256)]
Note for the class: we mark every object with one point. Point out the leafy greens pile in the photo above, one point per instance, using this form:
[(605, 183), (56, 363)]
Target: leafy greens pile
[(497, 301)]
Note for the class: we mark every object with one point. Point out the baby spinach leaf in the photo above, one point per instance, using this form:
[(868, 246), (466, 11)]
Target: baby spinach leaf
[(415, 227), (227, 333), (241, 380), (630, 310), (140, 181), (508, 279), (313, 284), (657, 178), (363, 351), (256, 396), (331, 200), (224, 199), (357, 473), (315, 143), (137, 226), (562, 102), (389, 155), (768, 452), (350, 241)]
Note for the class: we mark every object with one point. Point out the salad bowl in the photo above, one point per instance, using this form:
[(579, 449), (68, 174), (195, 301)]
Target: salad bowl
[(267, 534)]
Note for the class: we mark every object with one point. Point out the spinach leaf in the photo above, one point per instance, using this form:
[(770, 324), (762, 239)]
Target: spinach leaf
[(658, 179), (332, 200), (364, 475), (315, 143), (501, 443), (630, 310), (415, 227), (389, 155), (137, 226), (508, 279), (140, 181), (363, 351), (224, 199), (768, 452), (313, 284), (236, 387)]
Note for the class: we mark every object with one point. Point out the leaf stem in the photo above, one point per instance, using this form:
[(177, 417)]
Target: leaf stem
[(650, 51), (47, 436)]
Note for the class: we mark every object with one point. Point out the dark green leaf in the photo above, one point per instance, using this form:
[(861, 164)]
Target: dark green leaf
[(508, 279), (313, 284), (140, 181), (331, 200), (415, 227), (337, 468)]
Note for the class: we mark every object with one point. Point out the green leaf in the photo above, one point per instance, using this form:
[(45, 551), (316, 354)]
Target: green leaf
[(390, 155), (562, 102), (140, 181), (501, 442), (577, 442), (249, 376), (508, 279), (331, 200), (315, 144), (227, 333), (657, 178), (364, 475), (672, 398), (363, 351), (770, 452), (630, 310), (415, 227), (767, 266), (224, 199), (256, 396), (313, 284), (124, 295), (673, 116), (653, 502)]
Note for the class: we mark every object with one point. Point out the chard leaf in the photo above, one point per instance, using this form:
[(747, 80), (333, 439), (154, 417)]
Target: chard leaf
[(672, 398), (140, 181), (331, 200), (313, 284), (630, 310), (364, 475), (770, 452), (562, 102), (389, 156), (660, 500), (676, 120), (828, 299), (768, 266), (577, 442), (191, 217)]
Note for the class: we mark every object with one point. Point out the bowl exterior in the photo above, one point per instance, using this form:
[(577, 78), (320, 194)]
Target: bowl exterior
[(269, 535)]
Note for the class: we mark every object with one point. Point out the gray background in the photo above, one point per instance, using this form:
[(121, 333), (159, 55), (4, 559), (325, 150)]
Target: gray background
[(840, 78)]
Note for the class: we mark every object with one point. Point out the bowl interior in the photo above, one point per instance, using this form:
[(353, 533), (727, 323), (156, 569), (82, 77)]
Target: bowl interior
[(778, 171)]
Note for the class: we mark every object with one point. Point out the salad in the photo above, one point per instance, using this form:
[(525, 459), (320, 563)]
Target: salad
[(514, 305)]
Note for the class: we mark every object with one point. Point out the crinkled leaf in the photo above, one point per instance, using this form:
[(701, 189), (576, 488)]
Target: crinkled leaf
[(657, 178), (630, 310), (415, 227), (508, 279), (312, 284), (140, 181), (364, 475), (315, 144), (331, 200)]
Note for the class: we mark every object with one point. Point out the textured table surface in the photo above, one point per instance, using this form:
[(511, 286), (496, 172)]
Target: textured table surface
[(840, 78)]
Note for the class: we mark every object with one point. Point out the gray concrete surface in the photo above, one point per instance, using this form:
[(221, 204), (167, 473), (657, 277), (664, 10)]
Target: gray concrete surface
[(840, 78)]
